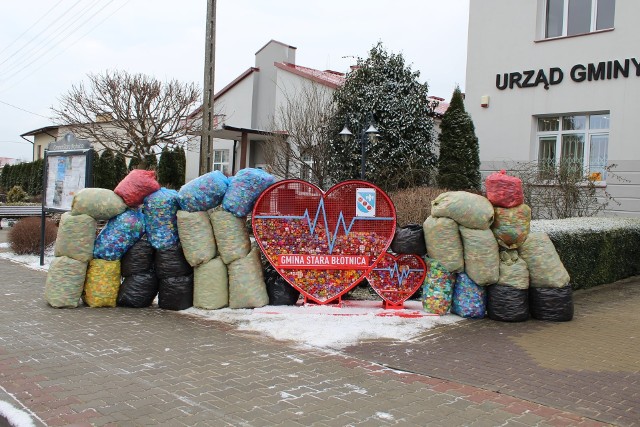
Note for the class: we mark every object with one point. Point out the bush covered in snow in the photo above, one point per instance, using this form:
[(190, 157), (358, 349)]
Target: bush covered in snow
[(595, 250)]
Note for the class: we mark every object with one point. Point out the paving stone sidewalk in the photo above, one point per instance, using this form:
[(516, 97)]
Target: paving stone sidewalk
[(133, 367), (589, 366)]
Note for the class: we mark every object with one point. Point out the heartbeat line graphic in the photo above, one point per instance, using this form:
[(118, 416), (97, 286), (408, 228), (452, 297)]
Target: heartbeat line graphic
[(331, 240), (395, 271)]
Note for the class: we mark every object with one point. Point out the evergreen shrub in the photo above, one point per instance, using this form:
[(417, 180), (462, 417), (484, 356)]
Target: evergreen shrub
[(24, 236), (595, 251), (16, 195)]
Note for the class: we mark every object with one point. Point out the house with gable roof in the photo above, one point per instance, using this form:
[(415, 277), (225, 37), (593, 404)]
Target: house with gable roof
[(245, 108)]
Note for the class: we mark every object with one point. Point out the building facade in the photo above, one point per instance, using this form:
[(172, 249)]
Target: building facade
[(557, 82)]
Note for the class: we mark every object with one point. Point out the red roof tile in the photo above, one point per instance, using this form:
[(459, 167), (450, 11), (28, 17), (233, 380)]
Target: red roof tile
[(333, 79)]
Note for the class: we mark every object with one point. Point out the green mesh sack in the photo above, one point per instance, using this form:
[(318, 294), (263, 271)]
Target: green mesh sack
[(196, 237), (467, 209), (102, 283), (65, 280), (481, 256), (444, 243), (511, 226), (513, 270), (437, 289), (231, 234), (98, 203), (211, 285), (76, 237), (246, 282), (545, 267)]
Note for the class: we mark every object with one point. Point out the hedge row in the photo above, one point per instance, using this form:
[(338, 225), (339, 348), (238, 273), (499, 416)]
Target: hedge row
[(594, 258), (26, 175)]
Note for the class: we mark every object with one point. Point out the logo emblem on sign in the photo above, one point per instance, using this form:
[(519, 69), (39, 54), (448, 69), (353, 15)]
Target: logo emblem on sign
[(366, 202), (319, 242)]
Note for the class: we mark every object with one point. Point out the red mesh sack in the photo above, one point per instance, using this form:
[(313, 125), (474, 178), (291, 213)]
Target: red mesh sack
[(137, 185), (504, 191)]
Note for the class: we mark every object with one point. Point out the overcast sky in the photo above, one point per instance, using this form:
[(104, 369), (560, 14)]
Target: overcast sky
[(48, 45)]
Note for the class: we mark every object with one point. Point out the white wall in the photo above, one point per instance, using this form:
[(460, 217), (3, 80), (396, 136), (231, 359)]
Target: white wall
[(504, 37)]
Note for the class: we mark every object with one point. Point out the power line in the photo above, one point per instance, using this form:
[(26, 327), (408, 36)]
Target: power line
[(42, 31), (33, 52), (22, 109), (32, 25), (24, 76)]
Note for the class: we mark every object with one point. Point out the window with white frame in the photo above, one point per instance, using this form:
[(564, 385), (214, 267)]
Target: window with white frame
[(571, 17), (306, 171), (221, 161), (574, 143)]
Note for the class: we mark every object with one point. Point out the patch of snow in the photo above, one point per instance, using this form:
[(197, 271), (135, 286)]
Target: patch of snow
[(583, 225), (31, 261), (331, 327), (16, 417), (4, 245), (384, 416)]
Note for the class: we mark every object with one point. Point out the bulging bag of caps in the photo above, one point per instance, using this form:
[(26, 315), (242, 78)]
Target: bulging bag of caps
[(545, 267), (65, 281), (467, 209), (246, 282), (137, 185), (138, 259), (76, 237), (507, 304), (196, 237), (437, 289), (176, 293), (511, 226), (203, 193), (161, 225), (469, 299), (171, 263), (513, 270), (232, 236), (138, 290), (552, 304), (121, 232), (102, 283), (409, 240), (481, 255), (503, 190), (244, 189), (444, 243), (211, 285), (98, 203)]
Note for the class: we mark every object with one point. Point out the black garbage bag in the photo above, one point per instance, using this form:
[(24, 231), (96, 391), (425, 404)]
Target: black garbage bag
[(409, 240), (279, 290), (507, 304), (138, 290), (172, 263), (138, 259), (176, 293), (552, 304)]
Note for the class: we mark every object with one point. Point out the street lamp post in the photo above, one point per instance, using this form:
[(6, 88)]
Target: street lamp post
[(369, 134)]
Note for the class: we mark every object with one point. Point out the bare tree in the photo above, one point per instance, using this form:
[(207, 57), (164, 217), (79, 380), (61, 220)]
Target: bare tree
[(134, 114), (562, 191), (299, 146)]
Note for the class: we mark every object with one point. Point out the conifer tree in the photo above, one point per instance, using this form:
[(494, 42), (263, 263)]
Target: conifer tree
[(107, 169), (150, 162), (96, 169), (166, 168), (459, 162), (385, 86), (134, 163), (120, 166), (181, 161)]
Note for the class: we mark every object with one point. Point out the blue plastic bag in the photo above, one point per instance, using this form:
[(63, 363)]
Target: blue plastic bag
[(244, 189), (121, 233), (161, 224), (469, 299), (203, 193)]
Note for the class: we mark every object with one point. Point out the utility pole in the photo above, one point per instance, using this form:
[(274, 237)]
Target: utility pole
[(206, 140)]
